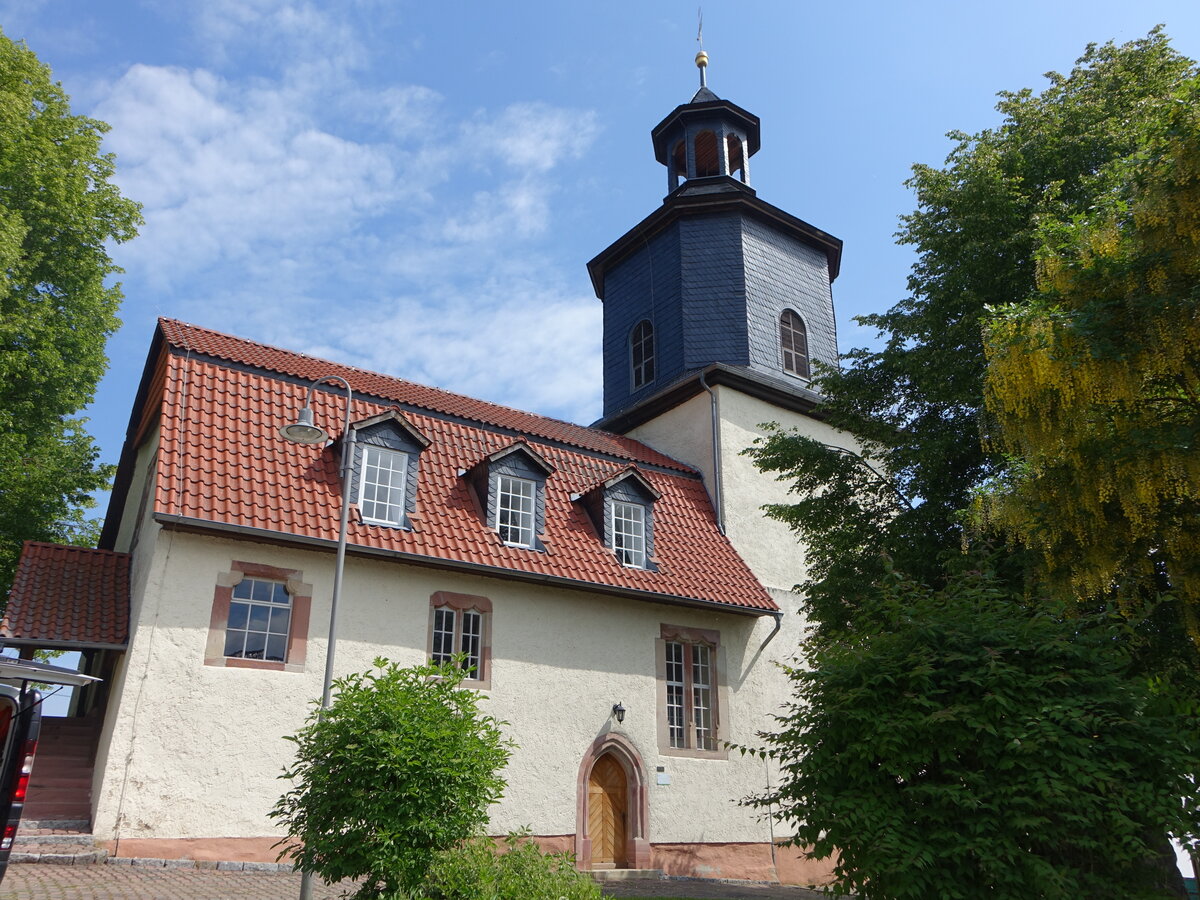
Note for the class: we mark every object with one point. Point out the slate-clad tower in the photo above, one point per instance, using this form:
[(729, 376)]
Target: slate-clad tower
[(713, 277), (715, 306)]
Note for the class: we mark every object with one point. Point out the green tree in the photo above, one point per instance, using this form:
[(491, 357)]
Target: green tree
[(917, 403), (1094, 390), (58, 208), (918, 407), (968, 744), (400, 766)]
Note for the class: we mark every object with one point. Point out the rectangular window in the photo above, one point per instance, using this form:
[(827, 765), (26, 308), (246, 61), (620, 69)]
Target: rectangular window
[(629, 533), (381, 485), (259, 619), (688, 693), (675, 689), (515, 510), (460, 626)]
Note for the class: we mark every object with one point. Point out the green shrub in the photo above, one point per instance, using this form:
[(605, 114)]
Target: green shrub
[(400, 766), (476, 871)]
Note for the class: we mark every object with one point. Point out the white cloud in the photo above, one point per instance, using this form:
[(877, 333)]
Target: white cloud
[(533, 136), (365, 224)]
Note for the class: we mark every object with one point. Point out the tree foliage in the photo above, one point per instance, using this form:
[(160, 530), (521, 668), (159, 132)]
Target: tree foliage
[(1094, 388), (58, 208), (916, 404), (899, 750), (400, 766), (969, 744)]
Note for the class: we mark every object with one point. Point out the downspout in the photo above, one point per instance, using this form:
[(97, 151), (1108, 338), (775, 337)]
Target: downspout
[(778, 614), (718, 499)]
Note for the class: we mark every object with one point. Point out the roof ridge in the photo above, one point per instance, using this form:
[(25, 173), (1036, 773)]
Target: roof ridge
[(50, 545), (177, 333)]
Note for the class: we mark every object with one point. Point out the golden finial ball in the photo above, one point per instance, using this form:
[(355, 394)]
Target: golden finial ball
[(701, 59)]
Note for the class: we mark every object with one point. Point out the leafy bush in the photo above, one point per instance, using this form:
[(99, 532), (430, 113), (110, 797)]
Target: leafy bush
[(475, 871), (400, 766)]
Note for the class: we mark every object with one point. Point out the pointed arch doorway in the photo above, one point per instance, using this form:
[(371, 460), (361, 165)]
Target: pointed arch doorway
[(612, 807)]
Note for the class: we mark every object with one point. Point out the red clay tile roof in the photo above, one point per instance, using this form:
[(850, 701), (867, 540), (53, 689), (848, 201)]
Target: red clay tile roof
[(222, 461), (68, 596)]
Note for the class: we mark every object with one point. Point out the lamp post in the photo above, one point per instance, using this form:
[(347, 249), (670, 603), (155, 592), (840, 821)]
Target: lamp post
[(304, 431)]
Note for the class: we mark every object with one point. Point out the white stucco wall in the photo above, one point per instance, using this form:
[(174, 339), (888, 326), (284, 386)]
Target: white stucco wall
[(194, 750), (770, 548)]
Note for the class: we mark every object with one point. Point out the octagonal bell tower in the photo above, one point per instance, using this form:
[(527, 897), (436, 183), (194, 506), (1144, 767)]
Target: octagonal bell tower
[(715, 278)]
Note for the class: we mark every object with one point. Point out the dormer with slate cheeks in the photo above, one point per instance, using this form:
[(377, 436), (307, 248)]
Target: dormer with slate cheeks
[(713, 270), (385, 470), (511, 486), (622, 509)]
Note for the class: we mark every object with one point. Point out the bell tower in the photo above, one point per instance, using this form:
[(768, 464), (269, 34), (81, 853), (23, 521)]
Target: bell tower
[(716, 306), (715, 280)]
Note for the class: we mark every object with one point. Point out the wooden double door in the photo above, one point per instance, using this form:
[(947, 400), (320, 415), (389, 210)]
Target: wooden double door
[(608, 813)]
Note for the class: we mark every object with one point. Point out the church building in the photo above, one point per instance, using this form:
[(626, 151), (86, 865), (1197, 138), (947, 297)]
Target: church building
[(619, 595)]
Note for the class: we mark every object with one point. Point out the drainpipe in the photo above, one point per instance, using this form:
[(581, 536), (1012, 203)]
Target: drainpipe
[(718, 500), (778, 614)]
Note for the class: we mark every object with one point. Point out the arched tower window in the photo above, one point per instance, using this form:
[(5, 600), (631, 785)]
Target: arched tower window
[(793, 344), (641, 353), (733, 150), (706, 155)]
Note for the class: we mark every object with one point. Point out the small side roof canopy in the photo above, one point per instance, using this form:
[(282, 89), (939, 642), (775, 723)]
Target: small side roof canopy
[(23, 670)]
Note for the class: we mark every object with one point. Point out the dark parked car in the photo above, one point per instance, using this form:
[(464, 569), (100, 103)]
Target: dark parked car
[(20, 725)]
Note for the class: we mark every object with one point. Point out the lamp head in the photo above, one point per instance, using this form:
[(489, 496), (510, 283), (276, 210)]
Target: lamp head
[(619, 711), (303, 431)]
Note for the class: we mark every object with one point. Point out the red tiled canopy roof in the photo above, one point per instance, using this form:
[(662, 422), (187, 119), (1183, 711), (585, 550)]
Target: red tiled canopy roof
[(223, 463), (68, 597)]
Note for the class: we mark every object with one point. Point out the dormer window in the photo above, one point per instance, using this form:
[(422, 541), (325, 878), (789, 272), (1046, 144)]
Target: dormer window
[(622, 509), (515, 504), (382, 482), (385, 469), (629, 533), (511, 486)]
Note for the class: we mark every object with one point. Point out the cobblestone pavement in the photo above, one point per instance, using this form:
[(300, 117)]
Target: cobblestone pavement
[(31, 881)]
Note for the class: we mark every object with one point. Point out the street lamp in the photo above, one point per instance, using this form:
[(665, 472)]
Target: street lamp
[(304, 431)]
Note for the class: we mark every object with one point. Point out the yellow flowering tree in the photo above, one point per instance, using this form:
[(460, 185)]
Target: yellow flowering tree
[(1093, 389)]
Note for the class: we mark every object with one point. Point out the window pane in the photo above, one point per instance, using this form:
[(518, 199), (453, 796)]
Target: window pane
[(234, 642), (381, 484), (239, 613), (259, 615), (276, 647), (256, 645), (279, 621), (472, 636), (260, 591)]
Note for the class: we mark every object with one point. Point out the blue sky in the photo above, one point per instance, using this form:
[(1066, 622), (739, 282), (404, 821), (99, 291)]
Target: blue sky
[(416, 187)]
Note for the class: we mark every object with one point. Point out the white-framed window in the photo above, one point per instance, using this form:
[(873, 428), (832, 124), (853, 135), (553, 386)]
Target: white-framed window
[(458, 631), (641, 354), (260, 615), (381, 485), (462, 624), (793, 344), (689, 693), (629, 533), (516, 500)]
